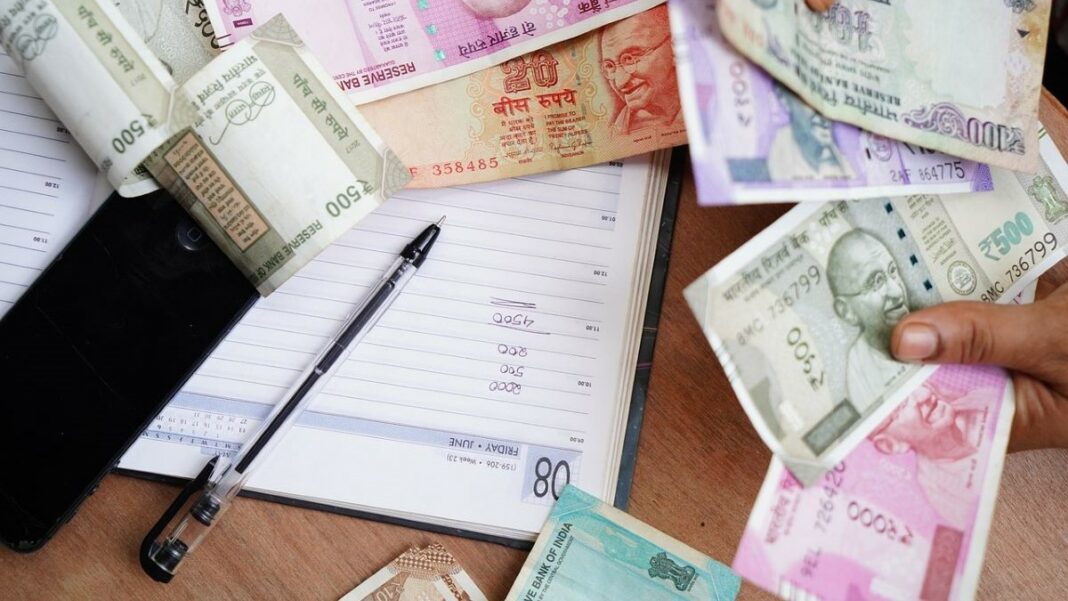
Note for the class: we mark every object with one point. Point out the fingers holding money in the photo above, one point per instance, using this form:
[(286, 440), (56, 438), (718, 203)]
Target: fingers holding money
[(1030, 339)]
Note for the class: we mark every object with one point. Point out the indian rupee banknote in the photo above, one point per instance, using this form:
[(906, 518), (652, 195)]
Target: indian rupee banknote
[(178, 32), (753, 140), (590, 550), (602, 96), (958, 76), (375, 49), (270, 158), (98, 76), (801, 316), (905, 515), (259, 146), (427, 574)]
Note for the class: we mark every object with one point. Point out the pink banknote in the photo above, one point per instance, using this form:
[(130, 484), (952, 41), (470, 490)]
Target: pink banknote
[(904, 516), (378, 48)]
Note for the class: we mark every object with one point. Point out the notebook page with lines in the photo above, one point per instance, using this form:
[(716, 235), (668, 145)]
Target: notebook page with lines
[(47, 185), (503, 371)]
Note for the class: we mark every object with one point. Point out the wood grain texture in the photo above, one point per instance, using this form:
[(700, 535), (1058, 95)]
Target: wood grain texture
[(700, 464)]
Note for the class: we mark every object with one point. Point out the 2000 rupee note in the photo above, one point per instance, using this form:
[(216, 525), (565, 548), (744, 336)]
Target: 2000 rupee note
[(905, 515)]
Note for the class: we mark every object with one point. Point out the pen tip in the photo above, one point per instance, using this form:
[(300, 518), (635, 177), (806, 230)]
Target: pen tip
[(440, 221)]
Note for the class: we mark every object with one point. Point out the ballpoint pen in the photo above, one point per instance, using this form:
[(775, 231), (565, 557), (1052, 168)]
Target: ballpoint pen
[(218, 483)]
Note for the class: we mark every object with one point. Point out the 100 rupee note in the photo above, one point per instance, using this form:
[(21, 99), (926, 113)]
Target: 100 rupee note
[(959, 76), (801, 316), (570, 105), (589, 550), (753, 140), (905, 515)]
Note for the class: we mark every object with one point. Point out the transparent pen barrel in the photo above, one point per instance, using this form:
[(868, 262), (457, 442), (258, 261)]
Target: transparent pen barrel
[(192, 524)]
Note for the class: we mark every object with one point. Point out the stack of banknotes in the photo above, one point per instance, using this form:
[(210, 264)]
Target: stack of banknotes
[(911, 133), (907, 130)]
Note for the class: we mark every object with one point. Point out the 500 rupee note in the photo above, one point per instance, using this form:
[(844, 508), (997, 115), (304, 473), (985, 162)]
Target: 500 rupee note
[(801, 316), (269, 157), (98, 76)]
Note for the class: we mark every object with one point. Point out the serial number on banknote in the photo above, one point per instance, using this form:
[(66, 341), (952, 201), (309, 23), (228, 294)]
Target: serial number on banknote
[(461, 167), (1031, 257)]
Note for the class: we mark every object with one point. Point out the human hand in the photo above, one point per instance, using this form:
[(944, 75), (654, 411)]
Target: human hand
[(819, 5), (1031, 340)]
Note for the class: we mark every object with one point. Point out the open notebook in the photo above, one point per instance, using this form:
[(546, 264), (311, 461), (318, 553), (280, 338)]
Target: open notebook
[(502, 372), (48, 187)]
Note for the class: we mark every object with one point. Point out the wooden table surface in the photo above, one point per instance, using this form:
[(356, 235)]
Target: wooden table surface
[(699, 467)]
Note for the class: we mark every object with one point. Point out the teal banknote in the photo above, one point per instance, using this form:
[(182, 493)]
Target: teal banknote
[(589, 550)]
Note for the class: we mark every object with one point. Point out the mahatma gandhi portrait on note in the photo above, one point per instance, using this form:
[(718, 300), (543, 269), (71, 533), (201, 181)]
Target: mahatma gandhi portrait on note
[(869, 295), (495, 9), (804, 148), (637, 63)]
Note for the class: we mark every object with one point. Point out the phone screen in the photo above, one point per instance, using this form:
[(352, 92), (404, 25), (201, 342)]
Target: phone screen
[(96, 346)]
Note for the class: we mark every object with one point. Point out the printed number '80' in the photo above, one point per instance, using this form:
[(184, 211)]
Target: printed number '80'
[(547, 477)]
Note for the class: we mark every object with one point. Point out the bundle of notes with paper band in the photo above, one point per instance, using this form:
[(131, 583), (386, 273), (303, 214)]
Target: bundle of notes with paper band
[(375, 51), (801, 316), (217, 141)]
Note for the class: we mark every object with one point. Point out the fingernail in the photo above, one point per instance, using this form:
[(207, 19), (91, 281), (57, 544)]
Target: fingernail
[(918, 341)]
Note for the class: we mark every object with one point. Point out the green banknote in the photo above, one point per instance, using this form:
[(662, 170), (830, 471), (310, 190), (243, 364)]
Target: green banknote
[(959, 76), (98, 76), (259, 145), (591, 551), (801, 316), (269, 157)]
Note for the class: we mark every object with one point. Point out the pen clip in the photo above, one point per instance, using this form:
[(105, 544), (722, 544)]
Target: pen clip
[(151, 567)]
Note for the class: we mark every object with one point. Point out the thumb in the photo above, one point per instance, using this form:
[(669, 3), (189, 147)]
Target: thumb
[(819, 5), (1012, 336)]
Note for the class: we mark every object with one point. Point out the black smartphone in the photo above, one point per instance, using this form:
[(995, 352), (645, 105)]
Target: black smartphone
[(96, 346)]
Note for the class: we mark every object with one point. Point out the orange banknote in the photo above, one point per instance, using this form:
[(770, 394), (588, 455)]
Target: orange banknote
[(599, 97)]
